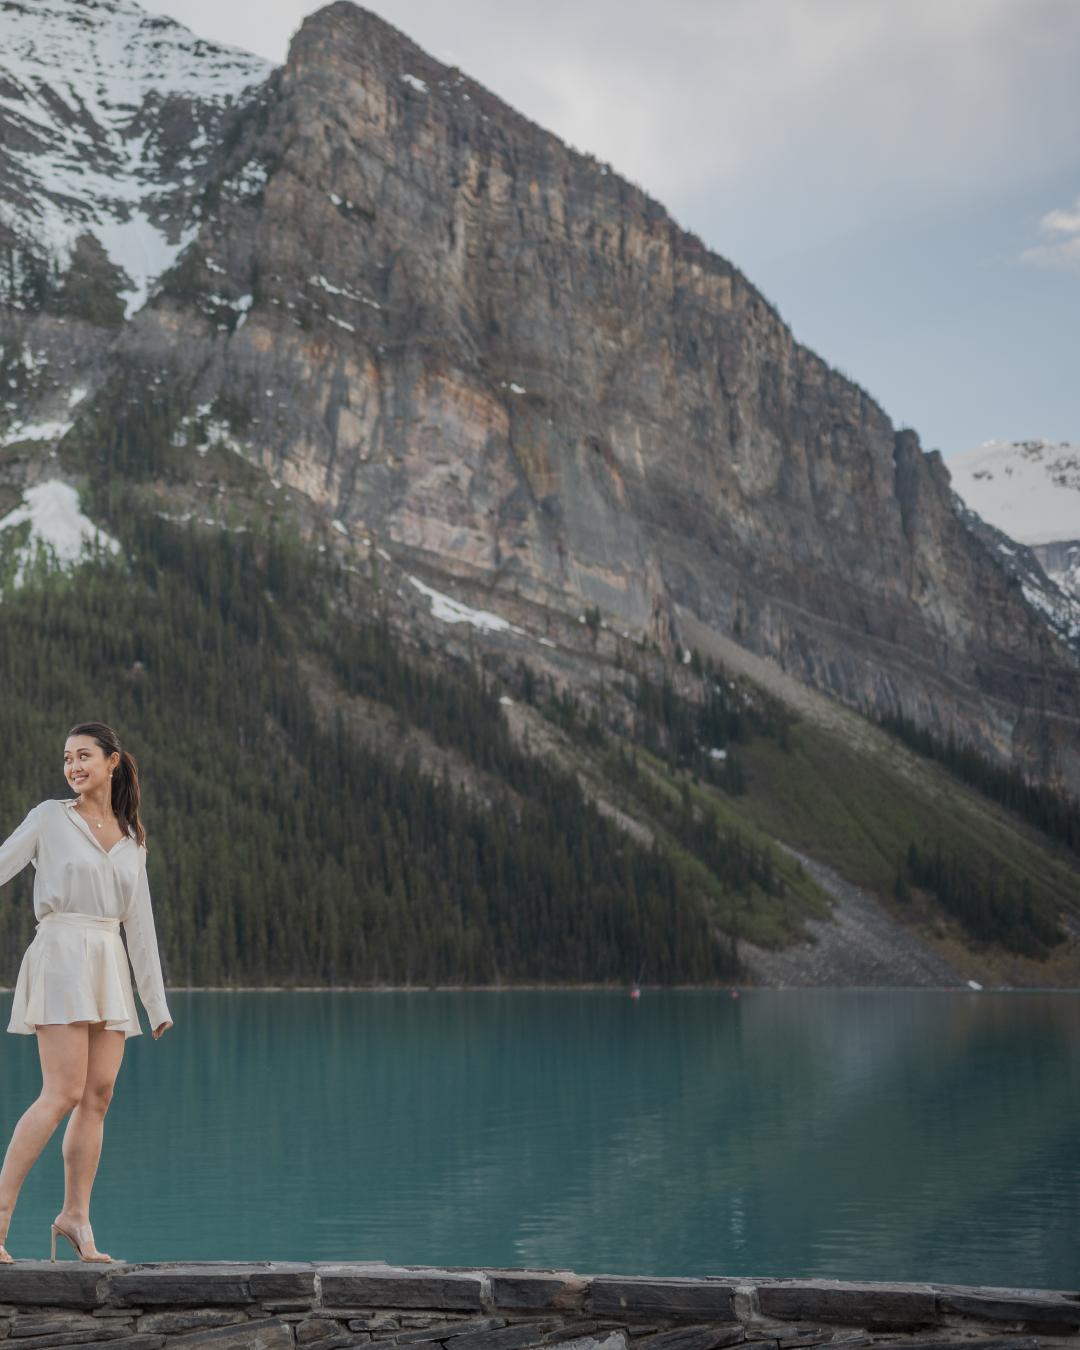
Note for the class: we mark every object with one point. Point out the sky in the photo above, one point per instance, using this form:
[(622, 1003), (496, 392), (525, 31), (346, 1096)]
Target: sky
[(902, 180)]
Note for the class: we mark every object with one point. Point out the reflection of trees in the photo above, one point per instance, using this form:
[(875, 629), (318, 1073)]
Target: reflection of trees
[(807, 1132)]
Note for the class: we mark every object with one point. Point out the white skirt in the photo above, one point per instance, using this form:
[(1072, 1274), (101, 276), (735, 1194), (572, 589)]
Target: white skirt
[(75, 970)]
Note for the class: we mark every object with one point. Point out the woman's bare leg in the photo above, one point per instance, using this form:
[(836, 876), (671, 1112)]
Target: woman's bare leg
[(82, 1138), (63, 1051)]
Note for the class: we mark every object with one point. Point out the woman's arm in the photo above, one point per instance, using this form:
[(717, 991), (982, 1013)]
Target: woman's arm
[(143, 951), (20, 847)]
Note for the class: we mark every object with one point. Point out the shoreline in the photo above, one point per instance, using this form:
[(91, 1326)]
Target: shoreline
[(279, 1305), (735, 990)]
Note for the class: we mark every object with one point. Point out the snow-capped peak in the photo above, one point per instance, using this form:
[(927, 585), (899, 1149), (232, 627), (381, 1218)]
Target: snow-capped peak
[(1030, 490), (104, 110), (1022, 498)]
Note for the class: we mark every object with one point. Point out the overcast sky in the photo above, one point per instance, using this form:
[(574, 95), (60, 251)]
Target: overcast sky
[(900, 177)]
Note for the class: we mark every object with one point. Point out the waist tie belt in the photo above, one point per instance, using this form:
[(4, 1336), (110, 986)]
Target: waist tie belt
[(81, 921)]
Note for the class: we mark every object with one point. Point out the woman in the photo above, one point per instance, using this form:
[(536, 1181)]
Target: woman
[(74, 989)]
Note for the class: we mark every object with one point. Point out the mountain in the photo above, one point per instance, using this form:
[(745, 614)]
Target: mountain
[(512, 367), (447, 514), (1030, 491), (108, 117)]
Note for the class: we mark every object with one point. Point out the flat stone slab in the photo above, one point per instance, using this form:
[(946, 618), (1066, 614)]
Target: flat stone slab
[(1014, 1343), (263, 1334), (137, 1343), (214, 1282), (441, 1331), (281, 1282), (53, 1340), (692, 1338), (697, 1299), (48, 1324), (359, 1286), (158, 1323), (517, 1337), (556, 1289), (67, 1284), (1007, 1305), (855, 1304)]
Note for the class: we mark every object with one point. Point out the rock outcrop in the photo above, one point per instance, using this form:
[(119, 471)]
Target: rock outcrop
[(506, 363)]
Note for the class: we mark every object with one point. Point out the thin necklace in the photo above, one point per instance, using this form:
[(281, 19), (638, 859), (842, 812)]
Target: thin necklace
[(98, 823)]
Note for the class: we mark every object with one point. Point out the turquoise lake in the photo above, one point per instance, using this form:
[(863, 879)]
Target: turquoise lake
[(885, 1134)]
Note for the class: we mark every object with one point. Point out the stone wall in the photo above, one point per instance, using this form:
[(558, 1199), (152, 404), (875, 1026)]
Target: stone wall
[(321, 1306)]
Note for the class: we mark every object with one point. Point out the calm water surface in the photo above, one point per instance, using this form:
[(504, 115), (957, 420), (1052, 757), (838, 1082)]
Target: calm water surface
[(899, 1135)]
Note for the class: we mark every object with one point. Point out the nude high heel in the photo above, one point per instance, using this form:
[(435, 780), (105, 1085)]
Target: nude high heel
[(6, 1259), (77, 1239)]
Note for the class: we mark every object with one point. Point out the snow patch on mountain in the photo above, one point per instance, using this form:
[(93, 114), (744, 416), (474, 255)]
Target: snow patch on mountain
[(59, 532), (453, 611), (106, 119), (1061, 563), (34, 431), (1030, 490)]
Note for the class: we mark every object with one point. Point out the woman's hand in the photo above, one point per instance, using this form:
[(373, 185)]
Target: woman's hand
[(161, 1030)]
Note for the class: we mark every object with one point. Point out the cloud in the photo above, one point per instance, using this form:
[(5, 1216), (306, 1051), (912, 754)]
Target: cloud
[(1065, 254), (1068, 222)]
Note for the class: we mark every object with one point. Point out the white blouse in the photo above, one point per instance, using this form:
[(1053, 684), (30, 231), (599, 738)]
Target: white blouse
[(76, 875)]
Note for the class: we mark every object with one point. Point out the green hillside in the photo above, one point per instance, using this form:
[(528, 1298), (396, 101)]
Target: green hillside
[(281, 853), (613, 843), (941, 856)]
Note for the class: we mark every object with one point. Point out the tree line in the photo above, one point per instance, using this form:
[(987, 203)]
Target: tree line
[(991, 903), (280, 851), (1053, 813)]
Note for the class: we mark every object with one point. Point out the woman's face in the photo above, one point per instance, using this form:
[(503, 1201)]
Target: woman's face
[(86, 766)]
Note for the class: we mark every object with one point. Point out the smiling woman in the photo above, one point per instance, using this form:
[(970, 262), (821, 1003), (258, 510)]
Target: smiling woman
[(74, 989)]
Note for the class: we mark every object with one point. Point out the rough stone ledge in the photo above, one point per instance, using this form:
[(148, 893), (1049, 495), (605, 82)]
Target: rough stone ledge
[(225, 1305)]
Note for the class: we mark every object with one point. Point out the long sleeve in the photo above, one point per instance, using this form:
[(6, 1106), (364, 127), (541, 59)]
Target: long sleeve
[(20, 847), (143, 952)]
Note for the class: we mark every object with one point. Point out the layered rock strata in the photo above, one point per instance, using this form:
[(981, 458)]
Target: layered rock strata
[(507, 364), (503, 358)]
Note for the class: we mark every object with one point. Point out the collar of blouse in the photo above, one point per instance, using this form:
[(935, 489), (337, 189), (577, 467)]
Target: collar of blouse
[(84, 826)]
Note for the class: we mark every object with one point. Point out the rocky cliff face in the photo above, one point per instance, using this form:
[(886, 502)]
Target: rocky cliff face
[(507, 364)]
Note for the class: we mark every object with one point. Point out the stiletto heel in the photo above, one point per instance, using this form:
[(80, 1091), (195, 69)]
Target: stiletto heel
[(77, 1239)]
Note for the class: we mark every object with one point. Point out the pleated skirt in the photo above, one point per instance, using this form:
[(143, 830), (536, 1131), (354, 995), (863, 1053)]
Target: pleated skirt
[(75, 970)]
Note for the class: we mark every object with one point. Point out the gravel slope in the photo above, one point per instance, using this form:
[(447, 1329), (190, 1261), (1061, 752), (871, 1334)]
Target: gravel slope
[(860, 946)]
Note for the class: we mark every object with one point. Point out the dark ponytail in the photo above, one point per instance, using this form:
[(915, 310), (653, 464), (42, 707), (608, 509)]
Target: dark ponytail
[(125, 777)]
